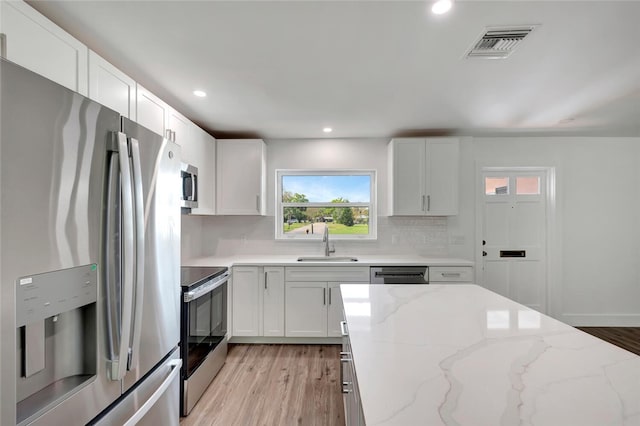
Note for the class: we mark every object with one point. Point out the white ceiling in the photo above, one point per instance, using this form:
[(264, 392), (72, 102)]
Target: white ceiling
[(286, 69)]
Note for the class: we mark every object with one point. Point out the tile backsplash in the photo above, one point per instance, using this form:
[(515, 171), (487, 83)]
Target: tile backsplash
[(237, 235)]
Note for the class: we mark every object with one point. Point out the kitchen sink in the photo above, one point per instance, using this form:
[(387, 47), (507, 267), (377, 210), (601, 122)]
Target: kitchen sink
[(327, 259)]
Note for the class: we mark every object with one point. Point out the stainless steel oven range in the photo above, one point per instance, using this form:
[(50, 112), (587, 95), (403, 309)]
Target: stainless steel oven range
[(203, 338)]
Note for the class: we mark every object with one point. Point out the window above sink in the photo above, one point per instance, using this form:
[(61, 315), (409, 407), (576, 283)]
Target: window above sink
[(344, 201)]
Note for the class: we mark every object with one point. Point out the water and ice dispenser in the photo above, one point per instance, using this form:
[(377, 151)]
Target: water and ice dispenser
[(56, 320)]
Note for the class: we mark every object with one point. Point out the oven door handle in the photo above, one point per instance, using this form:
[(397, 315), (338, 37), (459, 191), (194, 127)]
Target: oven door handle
[(192, 295)]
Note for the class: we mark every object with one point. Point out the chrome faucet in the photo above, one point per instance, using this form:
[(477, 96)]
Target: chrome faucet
[(325, 240)]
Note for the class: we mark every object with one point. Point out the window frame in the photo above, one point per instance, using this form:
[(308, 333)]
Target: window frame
[(371, 205)]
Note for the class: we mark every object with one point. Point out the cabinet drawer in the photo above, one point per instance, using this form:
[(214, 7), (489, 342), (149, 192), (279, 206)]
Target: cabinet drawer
[(327, 273), (458, 274)]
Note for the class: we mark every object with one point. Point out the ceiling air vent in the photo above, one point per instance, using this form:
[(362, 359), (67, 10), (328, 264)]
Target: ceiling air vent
[(499, 42)]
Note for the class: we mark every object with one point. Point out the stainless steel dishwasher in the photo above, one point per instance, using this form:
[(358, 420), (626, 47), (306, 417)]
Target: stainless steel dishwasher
[(399, 275)]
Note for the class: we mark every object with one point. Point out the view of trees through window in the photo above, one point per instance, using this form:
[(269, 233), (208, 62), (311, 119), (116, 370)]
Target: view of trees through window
[(339, 202)]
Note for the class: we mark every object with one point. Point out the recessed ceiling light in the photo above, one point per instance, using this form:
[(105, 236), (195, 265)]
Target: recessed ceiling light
[(199, 93), (327, 130), (441, 6)]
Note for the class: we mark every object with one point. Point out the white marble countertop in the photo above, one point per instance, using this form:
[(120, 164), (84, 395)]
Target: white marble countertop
[(292, 260), (462, 355)]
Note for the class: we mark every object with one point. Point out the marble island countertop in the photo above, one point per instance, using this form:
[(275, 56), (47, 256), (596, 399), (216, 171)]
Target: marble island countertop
[(292, 260), (462, 355)]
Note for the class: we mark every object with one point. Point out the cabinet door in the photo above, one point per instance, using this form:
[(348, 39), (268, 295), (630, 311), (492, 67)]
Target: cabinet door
[(306, 309), (408, 177), (334, 315), (152, 112), (247, 297), (442, 176), (36, 43), (201, 152), (273, 301), (179, 124), (111, 87), (240, 177)]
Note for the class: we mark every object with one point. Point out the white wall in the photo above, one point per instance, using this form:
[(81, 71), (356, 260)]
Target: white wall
[(598, 218), (597, 261), (227, 235)]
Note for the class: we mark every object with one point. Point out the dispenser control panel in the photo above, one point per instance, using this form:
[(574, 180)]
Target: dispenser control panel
[(45, 295)]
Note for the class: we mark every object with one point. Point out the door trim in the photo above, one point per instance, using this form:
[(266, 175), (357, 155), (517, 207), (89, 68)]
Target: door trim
[(553, 251)]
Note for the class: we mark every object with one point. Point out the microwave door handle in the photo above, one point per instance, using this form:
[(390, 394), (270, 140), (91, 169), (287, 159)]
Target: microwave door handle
[(194, 187), (138, 198), (119, 365)]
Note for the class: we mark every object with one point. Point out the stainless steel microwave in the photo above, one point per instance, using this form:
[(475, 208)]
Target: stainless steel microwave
[(189, 197)]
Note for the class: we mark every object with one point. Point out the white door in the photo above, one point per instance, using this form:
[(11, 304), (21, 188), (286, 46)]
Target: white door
[(246, 317), (306, 309), (273, 301), (513, 244)]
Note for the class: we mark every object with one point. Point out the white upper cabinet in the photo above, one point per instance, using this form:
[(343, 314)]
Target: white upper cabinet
[(423, 176), (200, 151), (36, 43), (240, 177), (180, 127), (152, 112), (111, 87)]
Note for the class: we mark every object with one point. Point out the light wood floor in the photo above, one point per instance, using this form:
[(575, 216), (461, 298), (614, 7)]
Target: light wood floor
[(274, 385), (626, 337), (299, 384)]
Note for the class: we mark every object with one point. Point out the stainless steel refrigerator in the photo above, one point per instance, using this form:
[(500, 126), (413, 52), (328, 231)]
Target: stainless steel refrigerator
[(90, 261)]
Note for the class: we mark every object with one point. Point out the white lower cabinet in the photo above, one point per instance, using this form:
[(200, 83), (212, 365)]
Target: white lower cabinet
[(306, 309), (334, 310), (273, 301), (258, 301), (313, 306), (353, 414), (246, 301)]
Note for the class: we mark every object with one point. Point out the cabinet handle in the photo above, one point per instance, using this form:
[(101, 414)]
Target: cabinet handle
[(428, 202), (324, 296), (343, 360), (330, 295), (173, 136), (422, 208), (265, 279), (451, 274), (258, 203), (167, 134), (343, 329), (3, 45)]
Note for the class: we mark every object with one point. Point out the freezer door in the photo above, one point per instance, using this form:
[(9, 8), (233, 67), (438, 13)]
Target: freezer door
[(154, 402), (156, 301)]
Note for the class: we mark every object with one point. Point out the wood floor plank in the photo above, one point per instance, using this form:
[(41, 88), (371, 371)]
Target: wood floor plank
[(625, 337), (274, 385)]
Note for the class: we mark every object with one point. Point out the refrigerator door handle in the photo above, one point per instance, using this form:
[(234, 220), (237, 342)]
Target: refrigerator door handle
[(138, 198), (175, 364), (112, 267), (119, 365)]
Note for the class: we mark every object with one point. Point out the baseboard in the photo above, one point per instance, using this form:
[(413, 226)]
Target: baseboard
[(601, 320), (287, 340)]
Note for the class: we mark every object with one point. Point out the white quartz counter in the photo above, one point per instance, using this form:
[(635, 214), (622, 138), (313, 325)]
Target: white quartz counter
[(462, 355), (292, 260)]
